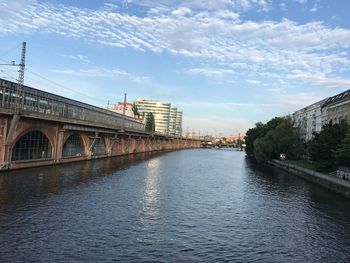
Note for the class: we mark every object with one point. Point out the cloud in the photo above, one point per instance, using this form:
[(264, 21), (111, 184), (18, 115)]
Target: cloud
[(102, 72), (205, 31), (296, 99), (210, 72), (182, 11), (315, 8), (207, 106), (253, 81), (79, 57), (320, 79), (211, 5)]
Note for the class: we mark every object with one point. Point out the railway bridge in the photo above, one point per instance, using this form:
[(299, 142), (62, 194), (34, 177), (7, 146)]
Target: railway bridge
[(39, 128)]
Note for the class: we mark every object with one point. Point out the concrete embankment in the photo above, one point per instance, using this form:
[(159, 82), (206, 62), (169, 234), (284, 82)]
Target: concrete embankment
[(335, 184)]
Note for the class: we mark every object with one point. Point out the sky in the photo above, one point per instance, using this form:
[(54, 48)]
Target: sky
[(226, 64)]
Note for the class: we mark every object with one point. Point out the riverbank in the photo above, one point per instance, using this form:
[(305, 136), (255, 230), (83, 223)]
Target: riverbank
[(338, 185)]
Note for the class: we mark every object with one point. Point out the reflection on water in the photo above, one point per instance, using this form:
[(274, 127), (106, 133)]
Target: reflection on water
[(151, 195), (187, 206), (21, 185)]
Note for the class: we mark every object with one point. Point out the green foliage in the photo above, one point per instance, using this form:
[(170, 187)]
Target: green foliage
[(262, 150), (252, 134), (135, 110), (323, 146), (282, 137), (266, 141), (150, 123), (342, 154), (259, 131)]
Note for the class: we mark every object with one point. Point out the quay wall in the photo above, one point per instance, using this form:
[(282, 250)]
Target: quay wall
[(336, 184)]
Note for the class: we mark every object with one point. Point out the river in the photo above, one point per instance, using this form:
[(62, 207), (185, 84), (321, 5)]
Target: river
[(197, 205)]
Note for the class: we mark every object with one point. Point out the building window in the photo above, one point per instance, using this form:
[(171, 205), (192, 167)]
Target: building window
[(31, 146)]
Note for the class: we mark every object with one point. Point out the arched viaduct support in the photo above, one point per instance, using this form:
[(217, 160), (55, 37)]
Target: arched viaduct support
[(62, 142)]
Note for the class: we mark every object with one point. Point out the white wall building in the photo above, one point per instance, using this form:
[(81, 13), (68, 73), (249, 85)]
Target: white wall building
[(336, 108), (172, 121), (160, 110), (309, 119), (167, 119), (178, 131)]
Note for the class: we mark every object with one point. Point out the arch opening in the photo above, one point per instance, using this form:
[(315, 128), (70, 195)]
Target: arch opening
[(73, 146), (99, 147), (33, 145)]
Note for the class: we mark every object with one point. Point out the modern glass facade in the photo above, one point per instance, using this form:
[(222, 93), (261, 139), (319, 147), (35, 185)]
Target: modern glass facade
[(172, 121), (178, 131), (160, 110), (166, 117)]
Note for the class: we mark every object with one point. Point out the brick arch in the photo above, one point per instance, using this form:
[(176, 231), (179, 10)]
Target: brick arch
[(84, 138), (68, 135), (23, 133)]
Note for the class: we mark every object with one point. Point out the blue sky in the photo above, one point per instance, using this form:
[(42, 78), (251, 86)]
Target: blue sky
[(226, 63)]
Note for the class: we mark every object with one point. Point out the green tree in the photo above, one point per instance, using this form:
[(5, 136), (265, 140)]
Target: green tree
[(135, 109), (150, 123), (252, 134), (324, 144), (259, 131), (283, 138), (342, 154)]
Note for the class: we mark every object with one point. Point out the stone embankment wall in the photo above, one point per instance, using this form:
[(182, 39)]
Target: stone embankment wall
[(336, 184)]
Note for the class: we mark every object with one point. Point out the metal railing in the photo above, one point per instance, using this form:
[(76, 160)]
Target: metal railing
[(38, 101)]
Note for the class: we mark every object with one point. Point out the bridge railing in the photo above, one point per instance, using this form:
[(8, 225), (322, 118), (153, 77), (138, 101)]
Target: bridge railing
[(33, 100)]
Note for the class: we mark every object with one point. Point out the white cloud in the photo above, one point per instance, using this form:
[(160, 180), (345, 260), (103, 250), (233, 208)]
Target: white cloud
[(209, 106), (182, 11), (253, 81), (203, 30), (102, 72), (315, 8), (239, 5), (320, 79), (79, 57), (210, 72), (296, 100)]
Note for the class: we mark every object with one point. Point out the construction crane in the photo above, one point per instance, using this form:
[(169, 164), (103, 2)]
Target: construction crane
[(20, 80)]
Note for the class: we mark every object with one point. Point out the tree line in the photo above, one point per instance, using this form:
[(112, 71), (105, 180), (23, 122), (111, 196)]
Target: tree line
[(326, 151)]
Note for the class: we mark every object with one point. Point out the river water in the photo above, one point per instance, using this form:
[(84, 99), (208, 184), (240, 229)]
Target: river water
[(185, 206)]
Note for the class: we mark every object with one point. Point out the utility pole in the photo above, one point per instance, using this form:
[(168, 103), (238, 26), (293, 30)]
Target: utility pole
[(21, 76), (20, 80), (124, 104)]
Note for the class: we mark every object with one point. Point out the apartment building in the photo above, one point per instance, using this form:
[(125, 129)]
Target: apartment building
[(313, 117)]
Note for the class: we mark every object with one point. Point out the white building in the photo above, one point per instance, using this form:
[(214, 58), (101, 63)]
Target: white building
[(309, 119), (178, 128), (312, 118), (172, 121), (167, 119), (160, 110), (336, 108)]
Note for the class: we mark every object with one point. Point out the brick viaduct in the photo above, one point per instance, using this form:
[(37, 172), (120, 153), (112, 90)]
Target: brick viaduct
[(44, 129)]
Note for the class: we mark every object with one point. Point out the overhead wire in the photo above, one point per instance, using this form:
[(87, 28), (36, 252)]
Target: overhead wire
[(42, 77), (64, 87)]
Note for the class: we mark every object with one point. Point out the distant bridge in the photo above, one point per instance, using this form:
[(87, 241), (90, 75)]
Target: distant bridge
[(39, 128)]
